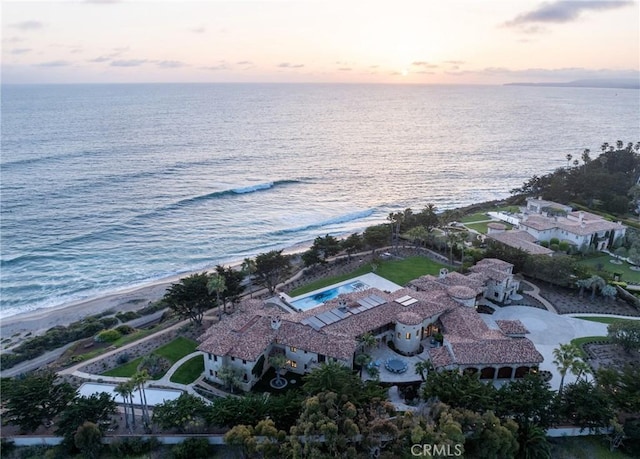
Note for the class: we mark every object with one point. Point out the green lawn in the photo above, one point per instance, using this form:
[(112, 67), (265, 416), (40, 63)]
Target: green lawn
[(587, 339), (603, 320), (189, 371), (177, 349), (603, 263), (398, 271), (172, 351), (476, 217), (125, 371), (481, 227)]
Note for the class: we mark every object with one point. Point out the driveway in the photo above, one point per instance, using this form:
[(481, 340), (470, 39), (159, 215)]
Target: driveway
[(547, 331)]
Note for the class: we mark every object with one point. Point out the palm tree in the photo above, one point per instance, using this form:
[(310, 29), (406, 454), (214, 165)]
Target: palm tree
[(566, 359), (362, 360), (422, 367), (582, 284), (216, 284), (569, 158), (619, 144), (367, 341), (124, 390), (609, 292), (229, 376), (604, 146), (595, 283), (277, 362), (139, 379), (576, 162), (248, 268)]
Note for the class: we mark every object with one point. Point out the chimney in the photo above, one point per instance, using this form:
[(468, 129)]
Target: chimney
[(275, 323), (580, 216), (443, 273)]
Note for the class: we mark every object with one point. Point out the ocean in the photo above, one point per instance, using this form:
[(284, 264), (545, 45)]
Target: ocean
[(107, 187)]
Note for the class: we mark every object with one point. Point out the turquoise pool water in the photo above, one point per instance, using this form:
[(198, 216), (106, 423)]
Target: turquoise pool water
[(316, 299)]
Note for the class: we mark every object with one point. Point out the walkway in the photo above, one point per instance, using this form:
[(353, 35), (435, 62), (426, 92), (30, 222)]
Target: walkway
[(535, 293)]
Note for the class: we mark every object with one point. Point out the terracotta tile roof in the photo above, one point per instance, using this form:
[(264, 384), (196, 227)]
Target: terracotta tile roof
[(589, 226), (461, 291), (520, 239), (512, 327), (249, 332), (441, 357)]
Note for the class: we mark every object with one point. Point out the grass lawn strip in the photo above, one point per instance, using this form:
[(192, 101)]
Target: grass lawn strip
[(189, 371), (579, 342), (603, 320), (628, 275), (398, 271), (125, 371)]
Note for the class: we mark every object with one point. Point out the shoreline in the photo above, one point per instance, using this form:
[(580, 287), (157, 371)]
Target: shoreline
[(31, 323)]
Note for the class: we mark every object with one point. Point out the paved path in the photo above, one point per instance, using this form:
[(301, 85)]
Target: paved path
[(535, 293)]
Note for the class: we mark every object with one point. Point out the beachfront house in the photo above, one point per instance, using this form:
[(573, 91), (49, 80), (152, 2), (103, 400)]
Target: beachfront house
[(405, 320)]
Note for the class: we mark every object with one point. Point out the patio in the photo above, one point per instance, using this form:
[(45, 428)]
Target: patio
[(382, 356)]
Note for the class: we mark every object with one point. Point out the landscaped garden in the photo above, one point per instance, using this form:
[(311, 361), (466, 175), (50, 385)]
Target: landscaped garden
[(604, 263), (397, 271), (171, 352)]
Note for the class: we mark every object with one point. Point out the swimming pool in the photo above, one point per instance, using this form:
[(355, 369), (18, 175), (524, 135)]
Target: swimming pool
[(315, 299)]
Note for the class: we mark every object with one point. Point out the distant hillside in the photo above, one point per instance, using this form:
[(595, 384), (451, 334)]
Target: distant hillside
[(619, 83)]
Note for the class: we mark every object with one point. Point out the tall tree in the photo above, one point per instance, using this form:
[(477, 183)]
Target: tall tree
[(96, 409), (190, 297), (460, 390), (567, 357), (272, 268), (587, 406), (183, 414), (352, 244), (233, 282), (37, 399), (139, 379), (278, 362), (217, 284), (376, 236), (124, 390)]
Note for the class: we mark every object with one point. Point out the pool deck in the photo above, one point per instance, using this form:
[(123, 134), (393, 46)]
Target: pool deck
[(372, 280)]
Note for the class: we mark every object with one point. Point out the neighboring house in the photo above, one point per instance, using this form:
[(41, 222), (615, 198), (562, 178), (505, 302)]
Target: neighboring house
[(407, 318), (546, 220)]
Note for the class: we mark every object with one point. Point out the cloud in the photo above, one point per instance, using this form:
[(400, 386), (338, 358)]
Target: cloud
[(564, 11), (424, 64), (288, 65), (102, 2), (170, 64), (345, 69), (374, 66), (54, 64), (13, 40), (20, 50), (454, 62), (128, 62), (244, 63), (100, 59), (215, 68), (200, 29), (27, 25)]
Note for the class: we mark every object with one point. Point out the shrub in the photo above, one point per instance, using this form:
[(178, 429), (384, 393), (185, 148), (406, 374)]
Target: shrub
[(564, 246), (133, 446), (554, 240), (544, 244), (123, 358), (554, 247), (127, 316), (125, 329), (192, 448), (108, 336), (108, 322)]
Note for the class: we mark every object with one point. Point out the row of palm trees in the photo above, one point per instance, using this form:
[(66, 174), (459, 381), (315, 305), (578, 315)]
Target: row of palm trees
[(126, 390), (596, 283)]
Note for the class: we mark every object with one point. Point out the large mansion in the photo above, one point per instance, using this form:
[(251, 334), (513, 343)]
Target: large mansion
[(546, 220), (405, 319)]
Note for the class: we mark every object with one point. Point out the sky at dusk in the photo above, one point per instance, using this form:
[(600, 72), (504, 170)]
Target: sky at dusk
[(351, 41)]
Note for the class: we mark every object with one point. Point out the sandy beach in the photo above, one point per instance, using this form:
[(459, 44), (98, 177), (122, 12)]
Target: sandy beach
[(40, 320)]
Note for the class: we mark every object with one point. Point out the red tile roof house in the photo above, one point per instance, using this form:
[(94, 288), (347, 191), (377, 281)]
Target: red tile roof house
[(407, 318), (544, 220)]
